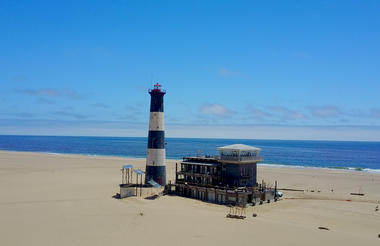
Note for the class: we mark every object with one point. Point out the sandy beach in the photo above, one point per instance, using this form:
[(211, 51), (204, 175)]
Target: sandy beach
[(50, 199)]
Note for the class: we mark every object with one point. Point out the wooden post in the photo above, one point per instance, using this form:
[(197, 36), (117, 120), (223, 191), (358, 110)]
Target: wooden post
[(176, 172), (137, 182), (237, 198), (225, 198), (275, 190)]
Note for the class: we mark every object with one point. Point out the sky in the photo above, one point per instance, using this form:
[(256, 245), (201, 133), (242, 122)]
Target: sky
[(231, 69)]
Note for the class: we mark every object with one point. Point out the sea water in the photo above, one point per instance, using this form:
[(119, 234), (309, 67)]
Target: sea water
[(360, 156)]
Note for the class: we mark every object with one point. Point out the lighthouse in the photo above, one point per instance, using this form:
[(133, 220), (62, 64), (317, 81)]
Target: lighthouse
[(155, 157)]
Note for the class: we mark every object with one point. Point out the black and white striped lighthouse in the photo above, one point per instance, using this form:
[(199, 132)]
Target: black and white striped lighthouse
[(155, 157)]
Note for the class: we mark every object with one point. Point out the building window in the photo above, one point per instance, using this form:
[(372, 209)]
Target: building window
[(244, 171), (202, 169)]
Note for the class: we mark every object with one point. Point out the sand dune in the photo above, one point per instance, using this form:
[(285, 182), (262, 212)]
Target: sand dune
[(48, 199)]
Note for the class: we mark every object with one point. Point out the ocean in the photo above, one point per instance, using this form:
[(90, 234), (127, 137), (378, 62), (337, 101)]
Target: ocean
[(358, 156)]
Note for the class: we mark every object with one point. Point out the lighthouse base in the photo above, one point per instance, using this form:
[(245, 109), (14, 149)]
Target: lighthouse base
[(157, 173)]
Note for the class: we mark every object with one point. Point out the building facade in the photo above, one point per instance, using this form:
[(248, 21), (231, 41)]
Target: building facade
[(228, 178)]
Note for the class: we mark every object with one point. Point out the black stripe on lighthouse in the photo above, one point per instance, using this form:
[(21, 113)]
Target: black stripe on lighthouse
[(156, 140), (157, 101)]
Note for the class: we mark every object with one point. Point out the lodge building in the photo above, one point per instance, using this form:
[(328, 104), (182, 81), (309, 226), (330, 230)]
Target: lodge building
[(230, 178)]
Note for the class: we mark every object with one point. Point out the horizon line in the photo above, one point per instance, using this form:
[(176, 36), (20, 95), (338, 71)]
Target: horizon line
[(214, 138)]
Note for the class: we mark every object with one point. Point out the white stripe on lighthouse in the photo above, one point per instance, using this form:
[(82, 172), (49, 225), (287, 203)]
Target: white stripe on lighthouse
[(155, 157), (156, 121)]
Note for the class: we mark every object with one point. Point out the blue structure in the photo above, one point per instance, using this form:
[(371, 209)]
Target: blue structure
[(155, 159)]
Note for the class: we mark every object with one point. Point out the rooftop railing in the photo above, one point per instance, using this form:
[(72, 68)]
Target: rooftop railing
[(225, 158), (241, 158)]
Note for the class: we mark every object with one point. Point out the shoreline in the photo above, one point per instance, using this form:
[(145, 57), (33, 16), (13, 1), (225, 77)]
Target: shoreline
[(277, 165)]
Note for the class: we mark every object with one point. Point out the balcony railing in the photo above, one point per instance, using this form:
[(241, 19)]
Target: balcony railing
[(200, 184), (190, 172), (241, 158)]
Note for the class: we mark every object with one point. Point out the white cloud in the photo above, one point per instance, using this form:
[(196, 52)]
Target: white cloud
[(258, 114), (138, 129), (52, 93), (63, 113), (328, 111), (287, 114), (224, 72), (215, 109)]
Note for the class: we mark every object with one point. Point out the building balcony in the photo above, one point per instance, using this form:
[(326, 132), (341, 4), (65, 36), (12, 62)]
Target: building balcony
[(196, 174), (183, 181)]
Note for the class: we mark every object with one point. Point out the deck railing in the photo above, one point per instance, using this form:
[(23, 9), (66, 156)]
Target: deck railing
[(241, 158)]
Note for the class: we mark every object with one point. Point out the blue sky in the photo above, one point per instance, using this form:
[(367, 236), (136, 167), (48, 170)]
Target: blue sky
[(232, 69)]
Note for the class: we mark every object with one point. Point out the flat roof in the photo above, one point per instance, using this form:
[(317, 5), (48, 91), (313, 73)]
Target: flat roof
[(138, 171), (239, 147)]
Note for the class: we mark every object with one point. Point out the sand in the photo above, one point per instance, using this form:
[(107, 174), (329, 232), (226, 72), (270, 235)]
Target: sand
[(48, 199)]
